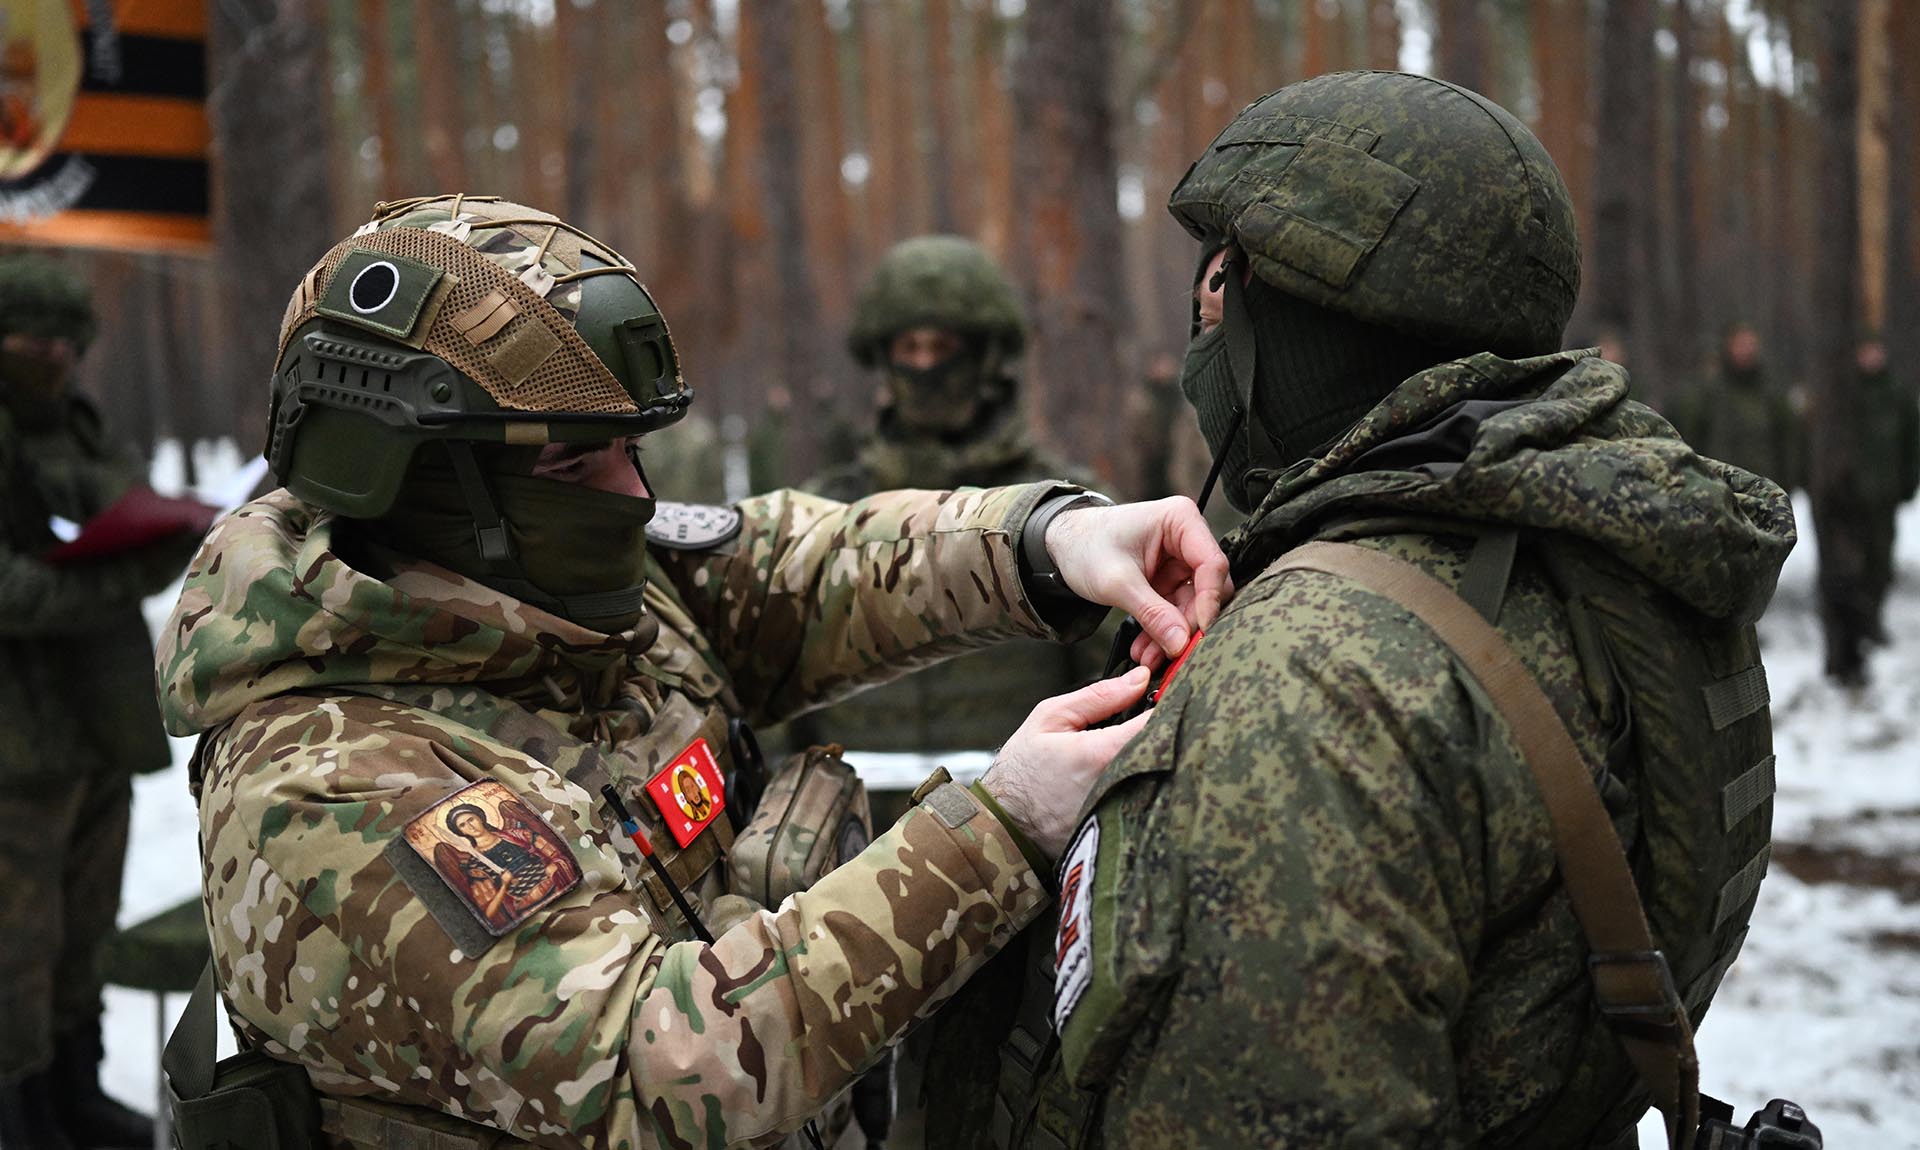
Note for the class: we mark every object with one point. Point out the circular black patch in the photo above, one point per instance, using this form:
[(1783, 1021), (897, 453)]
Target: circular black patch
[(374, 287)]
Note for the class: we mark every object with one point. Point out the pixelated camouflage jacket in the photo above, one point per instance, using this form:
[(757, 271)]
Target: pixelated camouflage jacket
[(1326, 910), (75, 655), (582, 1026)]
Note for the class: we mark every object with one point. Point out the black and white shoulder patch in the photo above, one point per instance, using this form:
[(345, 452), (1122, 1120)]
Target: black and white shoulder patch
[(692, 526)]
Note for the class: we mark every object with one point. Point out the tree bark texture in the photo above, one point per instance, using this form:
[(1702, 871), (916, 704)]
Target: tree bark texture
[(1836, 295), (1069, 222)]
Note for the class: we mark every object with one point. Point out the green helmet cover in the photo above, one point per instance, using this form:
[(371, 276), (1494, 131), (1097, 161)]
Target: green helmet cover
[(1399, 200), (946, 282), (40, 297)]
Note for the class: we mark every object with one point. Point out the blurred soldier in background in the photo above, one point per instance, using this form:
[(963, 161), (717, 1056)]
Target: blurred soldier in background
[(1741, 417), (1856, 572), (77, 717), (943, 327)]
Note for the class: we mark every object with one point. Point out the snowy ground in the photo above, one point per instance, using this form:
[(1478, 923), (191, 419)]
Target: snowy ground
[(1823, 1006)]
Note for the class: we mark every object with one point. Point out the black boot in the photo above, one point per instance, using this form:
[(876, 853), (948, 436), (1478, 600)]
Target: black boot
[(92, 1120), (27, 1120)]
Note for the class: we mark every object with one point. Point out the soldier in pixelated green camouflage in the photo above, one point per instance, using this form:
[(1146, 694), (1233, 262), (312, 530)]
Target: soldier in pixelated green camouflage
[(77, 716), (416, 666), (1317, 902)]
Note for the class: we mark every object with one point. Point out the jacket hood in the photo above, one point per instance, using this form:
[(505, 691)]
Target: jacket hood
[(269, 607), (1553, 445)]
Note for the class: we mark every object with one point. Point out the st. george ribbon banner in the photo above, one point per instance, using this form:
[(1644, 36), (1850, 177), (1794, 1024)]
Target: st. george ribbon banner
[(103, 125)]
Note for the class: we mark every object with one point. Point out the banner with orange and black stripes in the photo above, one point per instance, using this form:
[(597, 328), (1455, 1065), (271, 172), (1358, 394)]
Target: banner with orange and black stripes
[(103, 126)]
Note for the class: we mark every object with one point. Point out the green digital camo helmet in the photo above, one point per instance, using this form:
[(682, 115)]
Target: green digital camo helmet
[(39, 297), (1399, 200), (463, 319), (936, 281)]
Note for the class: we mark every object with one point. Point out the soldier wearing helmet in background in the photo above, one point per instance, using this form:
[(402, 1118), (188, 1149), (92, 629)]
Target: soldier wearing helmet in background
[(1319, 901), (465, 594), (942, 326), (77, 716)]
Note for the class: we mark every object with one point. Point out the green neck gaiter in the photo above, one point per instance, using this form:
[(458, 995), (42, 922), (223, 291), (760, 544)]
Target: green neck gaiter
[(577, 552)]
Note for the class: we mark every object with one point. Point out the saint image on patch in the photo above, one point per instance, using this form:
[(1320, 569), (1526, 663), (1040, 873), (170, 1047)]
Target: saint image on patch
[(690, 794), (503, 860)]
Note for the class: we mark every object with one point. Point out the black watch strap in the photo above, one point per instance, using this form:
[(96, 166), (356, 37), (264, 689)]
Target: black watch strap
[(1042, 574)]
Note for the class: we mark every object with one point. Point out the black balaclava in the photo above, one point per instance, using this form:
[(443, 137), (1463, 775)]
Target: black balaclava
[(949, 400), (1279, 378), (572, 550)]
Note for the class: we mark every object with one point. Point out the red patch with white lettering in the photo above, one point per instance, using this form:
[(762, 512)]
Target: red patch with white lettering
[(689, 792)]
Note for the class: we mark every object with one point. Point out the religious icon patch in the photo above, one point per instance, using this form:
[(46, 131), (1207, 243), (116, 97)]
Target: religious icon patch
[(1073, 944), (689, 791), (490, 848)]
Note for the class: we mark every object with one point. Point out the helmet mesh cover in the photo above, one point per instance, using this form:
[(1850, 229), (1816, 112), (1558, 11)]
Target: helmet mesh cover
[(568, 379)]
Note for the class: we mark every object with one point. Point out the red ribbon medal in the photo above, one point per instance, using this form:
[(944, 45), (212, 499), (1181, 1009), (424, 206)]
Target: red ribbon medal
[(689, 792), (1173, 668)]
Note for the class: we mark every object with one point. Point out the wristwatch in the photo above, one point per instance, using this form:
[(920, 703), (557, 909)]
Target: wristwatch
[(1042, 573)]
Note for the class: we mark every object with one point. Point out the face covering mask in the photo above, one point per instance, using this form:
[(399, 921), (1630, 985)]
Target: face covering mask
[(578, 552), (1206, 379), (943, 399)]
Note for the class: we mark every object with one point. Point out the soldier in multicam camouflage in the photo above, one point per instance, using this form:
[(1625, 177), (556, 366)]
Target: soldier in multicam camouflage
[(77, 716), (1318, 901), (463, 599)]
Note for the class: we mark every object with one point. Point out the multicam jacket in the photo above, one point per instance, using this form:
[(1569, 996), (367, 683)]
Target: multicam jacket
[(1316, 902), (338, 708)]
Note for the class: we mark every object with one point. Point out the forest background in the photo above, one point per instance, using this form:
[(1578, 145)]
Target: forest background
[(1730, 160)]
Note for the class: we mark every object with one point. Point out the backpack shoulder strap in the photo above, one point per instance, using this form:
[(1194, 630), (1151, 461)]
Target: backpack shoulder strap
[(1632, 984)]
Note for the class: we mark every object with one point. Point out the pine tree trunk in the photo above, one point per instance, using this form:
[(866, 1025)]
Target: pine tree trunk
[(276, 207), (1622, 265), (1070, 223), (1836, 294)]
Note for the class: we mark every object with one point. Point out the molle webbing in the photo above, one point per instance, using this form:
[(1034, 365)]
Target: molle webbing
[(1735, 697), (1740, 889), (1743, 796), (551, 369), (1632, 984)]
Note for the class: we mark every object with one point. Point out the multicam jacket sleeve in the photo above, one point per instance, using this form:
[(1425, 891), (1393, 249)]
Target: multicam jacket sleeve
[(580, 1027), (815, 598)]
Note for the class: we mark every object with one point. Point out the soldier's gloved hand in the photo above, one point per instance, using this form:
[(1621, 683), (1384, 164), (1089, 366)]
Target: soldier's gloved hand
[(1157, 561), (1043, 773)]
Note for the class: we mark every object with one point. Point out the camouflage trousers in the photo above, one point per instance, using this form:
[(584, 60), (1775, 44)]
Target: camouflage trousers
[(62, 846)]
